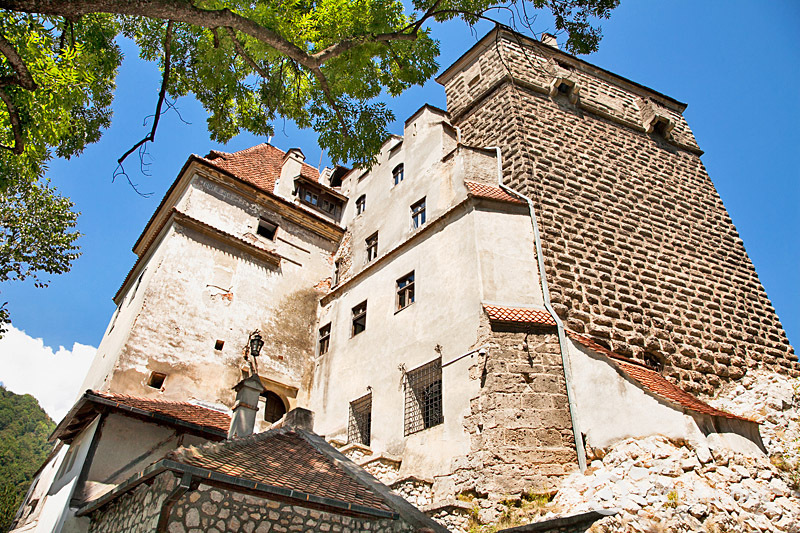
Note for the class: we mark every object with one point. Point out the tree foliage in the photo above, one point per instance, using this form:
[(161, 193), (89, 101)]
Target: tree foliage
[(24, 429)]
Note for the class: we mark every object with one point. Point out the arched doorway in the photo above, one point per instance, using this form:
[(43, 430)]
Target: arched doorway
[(274, 408)]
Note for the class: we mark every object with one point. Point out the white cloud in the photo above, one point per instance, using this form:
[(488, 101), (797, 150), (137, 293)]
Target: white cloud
[(27, 366)]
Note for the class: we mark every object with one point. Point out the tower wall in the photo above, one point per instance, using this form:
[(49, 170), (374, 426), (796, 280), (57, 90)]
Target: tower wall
[(640, 252)]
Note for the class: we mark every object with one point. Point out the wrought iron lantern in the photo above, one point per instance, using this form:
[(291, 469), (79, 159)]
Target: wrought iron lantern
[(256, 343)]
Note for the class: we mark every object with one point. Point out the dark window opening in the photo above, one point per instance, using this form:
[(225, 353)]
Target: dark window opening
[(564, 88), (156, 380), (359, 427), (324, 338), (359, 319), (372, 246), (604, 343), (653, 361), (423, 398), (361, 204), (337, 271), (274, 408), (398, 174), (660, 127), (418, 214), (267, 229), (405, 291), (219, 344)]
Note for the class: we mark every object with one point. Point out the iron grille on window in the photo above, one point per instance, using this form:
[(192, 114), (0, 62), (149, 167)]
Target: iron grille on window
[(359, 428), (423, 390)]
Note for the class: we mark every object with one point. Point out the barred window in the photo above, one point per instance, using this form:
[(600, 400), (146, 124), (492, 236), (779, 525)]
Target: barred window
[(324, 338), (359, 427), (372, 246), (423, 397), (359, 319), (418, 214), (405, 291)]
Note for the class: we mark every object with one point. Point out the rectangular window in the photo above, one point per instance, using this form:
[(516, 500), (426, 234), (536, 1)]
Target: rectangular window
[(398, 173), (418, 214), (359, 427), (267, 229), (359, 319), (372, 246), (405, 291), (361, 204), (309, 197), (423, 397), (337, 272), (324, 338)]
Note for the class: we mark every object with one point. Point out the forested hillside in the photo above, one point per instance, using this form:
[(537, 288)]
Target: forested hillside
[(24, 428)]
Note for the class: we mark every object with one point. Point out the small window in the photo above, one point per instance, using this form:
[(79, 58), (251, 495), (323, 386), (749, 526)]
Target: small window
[(359, 318), (324, 338), (361, 204), (359, 427), (309, 197), (372, 246), (418, 214), (564, 88), (397, 174), (423, 397), (405, 291), (156, 380), (274, 408), (337, 272), (661, 127), (219, 344), (267, 229)]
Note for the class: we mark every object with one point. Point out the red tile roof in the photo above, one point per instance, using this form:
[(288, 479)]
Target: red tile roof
[(281, 458), (520, 315), (482, 190), (182, 411), (653, 381), (258, 165)]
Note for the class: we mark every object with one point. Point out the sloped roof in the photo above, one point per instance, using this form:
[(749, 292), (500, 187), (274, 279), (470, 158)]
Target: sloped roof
[(211, 423), (259, 165), (281, 458), (482, 190), (646, 377), (519, 314)]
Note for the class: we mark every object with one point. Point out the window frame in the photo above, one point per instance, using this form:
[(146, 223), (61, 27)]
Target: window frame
[(371, 243), (402, 297), (262, 222), (359, 319), (266, 395), (324, 339), (359, 423), (418, 212), (361, 204), (424, 398), (398, 174)]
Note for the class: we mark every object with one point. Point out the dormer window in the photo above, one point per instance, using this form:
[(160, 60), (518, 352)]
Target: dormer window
[(319, 197), (397, 174), (267, 229), (361, 204), (310, 198)]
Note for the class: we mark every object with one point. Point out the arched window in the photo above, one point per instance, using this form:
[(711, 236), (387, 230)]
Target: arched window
[(361, 204), (397, 173), (274, 408)]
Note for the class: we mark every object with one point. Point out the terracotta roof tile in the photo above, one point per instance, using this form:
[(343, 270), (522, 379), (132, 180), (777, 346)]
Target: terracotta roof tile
[(183, 411), (653, 381), (258, 165), (520, 315), (281, 458), (481, 190)]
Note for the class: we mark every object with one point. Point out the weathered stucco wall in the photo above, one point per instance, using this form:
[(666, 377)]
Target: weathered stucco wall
[(639, 250)]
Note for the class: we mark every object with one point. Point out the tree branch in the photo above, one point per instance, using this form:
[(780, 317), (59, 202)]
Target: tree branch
[(16, 127), (23, 76), (243, 54), (161, 95)]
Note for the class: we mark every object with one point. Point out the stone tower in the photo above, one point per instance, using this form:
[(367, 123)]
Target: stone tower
[(640, 253)]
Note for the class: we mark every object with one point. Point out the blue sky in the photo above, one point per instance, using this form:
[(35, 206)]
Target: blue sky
[(734, 63)]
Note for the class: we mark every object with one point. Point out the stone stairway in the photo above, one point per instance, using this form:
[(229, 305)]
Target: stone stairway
[(452, 513)]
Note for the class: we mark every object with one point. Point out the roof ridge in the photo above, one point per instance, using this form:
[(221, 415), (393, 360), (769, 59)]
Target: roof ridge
[(193, 451)]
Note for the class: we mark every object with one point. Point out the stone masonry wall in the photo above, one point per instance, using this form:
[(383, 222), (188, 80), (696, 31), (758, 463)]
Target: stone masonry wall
[(215, 510), (640, 252), (519, 425)]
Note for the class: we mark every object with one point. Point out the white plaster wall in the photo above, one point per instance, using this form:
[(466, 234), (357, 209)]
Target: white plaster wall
[(611, 407), (446, 312)]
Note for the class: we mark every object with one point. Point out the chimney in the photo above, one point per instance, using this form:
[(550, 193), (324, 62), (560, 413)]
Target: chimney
[(244, 412), (549, 39), (290, 168), (297, 418)]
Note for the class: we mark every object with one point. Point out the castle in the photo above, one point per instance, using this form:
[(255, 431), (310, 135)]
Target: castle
[(542, 268)]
